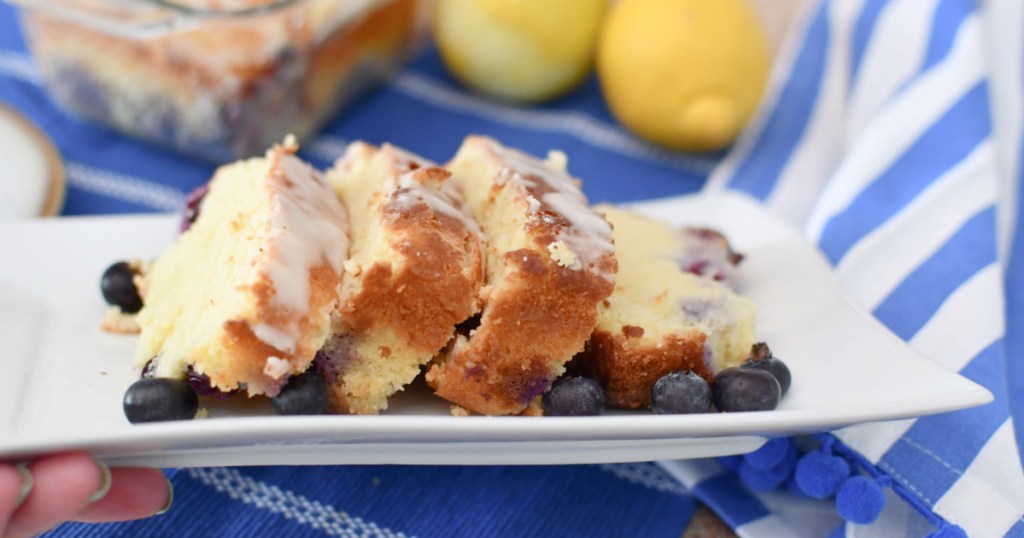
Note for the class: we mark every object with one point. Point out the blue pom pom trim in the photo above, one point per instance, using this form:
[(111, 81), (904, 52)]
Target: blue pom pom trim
[(832, 444), (822, 473), (770, 454), (819, 474), (769, 479), (860, 500)]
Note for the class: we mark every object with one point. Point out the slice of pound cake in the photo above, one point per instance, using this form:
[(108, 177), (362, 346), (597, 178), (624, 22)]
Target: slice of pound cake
[(672, 309), (414, 272), (550, 263), (245, 296)]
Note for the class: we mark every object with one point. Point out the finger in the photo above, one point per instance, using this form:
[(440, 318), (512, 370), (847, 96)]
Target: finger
[(64, 485), (134, 494), (15, 485)]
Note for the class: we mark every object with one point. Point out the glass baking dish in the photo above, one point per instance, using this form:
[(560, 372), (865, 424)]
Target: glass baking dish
[(220, 79)]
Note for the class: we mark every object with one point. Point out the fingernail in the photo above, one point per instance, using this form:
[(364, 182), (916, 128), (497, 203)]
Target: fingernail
[(26, 483), (170, 500), (105, 485)]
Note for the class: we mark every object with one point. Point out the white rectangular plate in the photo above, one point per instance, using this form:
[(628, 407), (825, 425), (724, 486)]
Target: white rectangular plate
[(63, 378)]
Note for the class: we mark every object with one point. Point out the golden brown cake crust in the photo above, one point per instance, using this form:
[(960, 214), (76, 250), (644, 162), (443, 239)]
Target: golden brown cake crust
[(542, 315), (432, 291), (538, 316), (628, 370), (249, 353), (418, 298)]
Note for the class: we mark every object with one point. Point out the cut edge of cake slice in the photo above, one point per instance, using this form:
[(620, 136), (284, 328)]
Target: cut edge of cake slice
[(414, 272), (550, 262)]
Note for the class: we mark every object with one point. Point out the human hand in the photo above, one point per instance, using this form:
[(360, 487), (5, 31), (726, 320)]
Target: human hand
[(75, 487)]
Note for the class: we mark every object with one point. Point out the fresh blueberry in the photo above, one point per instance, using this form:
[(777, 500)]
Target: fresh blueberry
[(573, 397), (305, 394), (745, 389), (680, 392), (119, 290), (157, 399), (776, 368)]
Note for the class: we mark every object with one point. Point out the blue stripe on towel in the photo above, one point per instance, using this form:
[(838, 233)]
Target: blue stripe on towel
[(785, 126), (934, 453), (1014, 288), (862, 31), (943, 145), (949, 17), (919, 296), (1017, 531), (728, 498)]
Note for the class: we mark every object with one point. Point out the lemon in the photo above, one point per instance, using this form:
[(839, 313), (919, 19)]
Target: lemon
[(525, 50), (686, 74)]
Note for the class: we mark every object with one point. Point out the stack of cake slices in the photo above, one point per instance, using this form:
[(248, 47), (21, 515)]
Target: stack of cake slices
[(486, 276)]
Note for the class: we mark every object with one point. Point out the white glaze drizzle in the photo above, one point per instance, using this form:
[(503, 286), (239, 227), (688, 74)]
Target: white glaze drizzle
[(308, 227), (590, 236), (416, 183), (274, 337)]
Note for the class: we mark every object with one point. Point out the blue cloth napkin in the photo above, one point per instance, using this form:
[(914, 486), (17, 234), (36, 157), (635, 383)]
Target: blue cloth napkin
[(876, 136)]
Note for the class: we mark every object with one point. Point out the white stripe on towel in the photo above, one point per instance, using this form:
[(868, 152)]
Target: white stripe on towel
[(19, 66), (879, 261), (286, 503), (900, 124), (648, 475), (893, 55), (124, 187), (998, 504), (821, 147)]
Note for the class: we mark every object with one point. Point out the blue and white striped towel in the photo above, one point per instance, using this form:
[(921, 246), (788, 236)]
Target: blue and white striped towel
[(876, 137)]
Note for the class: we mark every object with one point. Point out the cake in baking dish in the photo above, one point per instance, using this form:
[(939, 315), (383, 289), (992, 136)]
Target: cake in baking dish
[(245, 296), (414, 272), (223, 86), (672, 309), (550, 263)]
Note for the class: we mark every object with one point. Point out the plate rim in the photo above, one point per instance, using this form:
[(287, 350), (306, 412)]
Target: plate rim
[(56, 182)]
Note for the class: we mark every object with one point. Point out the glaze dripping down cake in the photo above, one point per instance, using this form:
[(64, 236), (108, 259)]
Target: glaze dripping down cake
[(672, 309), (414, 272), (550, 263), (245, 296)]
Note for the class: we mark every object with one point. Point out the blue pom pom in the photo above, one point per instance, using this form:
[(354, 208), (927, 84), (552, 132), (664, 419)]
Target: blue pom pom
[(770, 454), (819, 474), (838, 532), (948, 531), (730, 462), (768, 479), (860, 500)]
